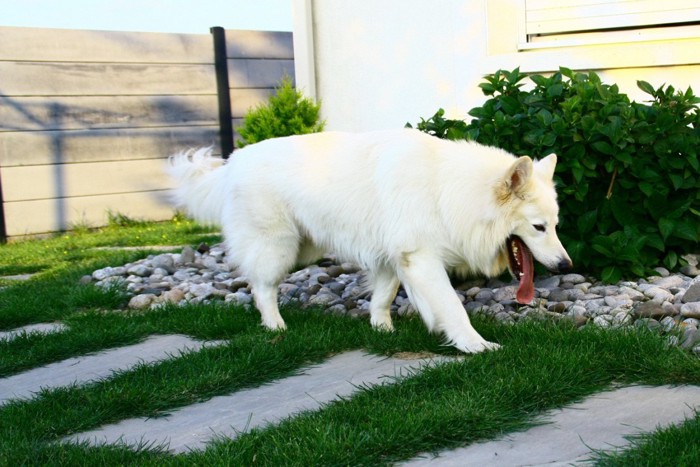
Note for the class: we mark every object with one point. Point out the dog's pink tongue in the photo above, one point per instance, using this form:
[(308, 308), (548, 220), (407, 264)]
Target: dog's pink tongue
[(526, 290)]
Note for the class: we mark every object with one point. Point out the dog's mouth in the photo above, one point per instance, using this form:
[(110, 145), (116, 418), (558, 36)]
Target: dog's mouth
[(522, 267)]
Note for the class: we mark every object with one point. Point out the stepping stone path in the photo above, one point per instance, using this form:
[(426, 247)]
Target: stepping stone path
[(600, 422), (86, 369), (568, 436), (41, 328), (228, 416)]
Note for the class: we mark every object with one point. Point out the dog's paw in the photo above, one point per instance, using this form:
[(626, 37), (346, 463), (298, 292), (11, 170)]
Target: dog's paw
[(476, 346), (275, 325), (383, 325)]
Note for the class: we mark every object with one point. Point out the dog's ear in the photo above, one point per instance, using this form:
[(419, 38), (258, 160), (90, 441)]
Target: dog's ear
[(546, 166), (519, 173), (516, 178)]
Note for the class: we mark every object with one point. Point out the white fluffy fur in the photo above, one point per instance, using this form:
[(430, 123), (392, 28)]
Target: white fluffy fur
[(404, 205)]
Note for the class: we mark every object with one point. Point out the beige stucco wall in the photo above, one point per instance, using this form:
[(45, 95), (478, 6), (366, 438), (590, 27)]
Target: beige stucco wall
[(378, 64)]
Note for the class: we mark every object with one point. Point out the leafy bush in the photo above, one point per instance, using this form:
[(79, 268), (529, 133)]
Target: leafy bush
[(628, 174), (287, 112), (442, 127)]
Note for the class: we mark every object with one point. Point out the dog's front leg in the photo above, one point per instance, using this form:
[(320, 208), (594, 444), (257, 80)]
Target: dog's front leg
[(429, 289)]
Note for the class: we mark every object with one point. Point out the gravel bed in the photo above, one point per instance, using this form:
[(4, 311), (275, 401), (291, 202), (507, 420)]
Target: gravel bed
[(669, 303)]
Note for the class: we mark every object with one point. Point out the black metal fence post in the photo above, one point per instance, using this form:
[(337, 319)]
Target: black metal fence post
[(3, 228), (222, 85)]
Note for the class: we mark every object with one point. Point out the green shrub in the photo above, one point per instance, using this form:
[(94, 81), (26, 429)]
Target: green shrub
[(286, 113), (628, 174)]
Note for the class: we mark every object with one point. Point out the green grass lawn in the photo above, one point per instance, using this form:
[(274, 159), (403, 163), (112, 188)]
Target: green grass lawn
[(542, 365)]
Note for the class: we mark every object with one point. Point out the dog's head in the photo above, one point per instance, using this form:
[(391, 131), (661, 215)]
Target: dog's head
[(528, 190)]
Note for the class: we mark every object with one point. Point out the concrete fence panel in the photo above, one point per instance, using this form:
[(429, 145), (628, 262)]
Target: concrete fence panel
[(87, 118)]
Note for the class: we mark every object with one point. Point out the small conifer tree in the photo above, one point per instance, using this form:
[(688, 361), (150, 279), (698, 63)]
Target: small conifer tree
[(286, 113)]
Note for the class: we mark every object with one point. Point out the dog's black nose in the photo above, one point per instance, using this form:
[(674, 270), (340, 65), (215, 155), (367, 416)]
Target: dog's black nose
[(565, 265)]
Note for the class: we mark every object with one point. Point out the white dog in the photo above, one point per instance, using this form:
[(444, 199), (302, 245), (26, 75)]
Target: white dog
[(404, 205)]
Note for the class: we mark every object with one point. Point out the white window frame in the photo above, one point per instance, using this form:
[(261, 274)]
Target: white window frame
[(615, 44), (567, 23)]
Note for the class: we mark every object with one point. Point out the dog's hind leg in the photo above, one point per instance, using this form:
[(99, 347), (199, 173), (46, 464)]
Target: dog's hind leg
[(266, 262), (384, 284), (265, 294), (430, 291)]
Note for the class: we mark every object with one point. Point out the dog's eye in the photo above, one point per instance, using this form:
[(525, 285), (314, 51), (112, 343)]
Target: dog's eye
[(539, 227)]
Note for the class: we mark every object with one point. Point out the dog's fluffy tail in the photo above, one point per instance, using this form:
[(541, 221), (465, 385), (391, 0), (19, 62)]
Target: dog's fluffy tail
[(199, 185)]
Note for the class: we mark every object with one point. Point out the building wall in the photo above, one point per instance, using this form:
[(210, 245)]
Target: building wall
[(381, 64), (87, 118)]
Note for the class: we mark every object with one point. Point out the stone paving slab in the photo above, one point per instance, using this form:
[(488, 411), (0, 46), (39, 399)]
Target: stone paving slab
[(95, 367), (39, 328), (191, 427), (600, 422), (18, 277)]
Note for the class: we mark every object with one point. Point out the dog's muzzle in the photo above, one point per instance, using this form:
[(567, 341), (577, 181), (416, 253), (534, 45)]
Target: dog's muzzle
[(565, 265)]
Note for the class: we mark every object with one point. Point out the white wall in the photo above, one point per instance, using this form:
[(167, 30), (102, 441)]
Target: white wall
[(378, 64)]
